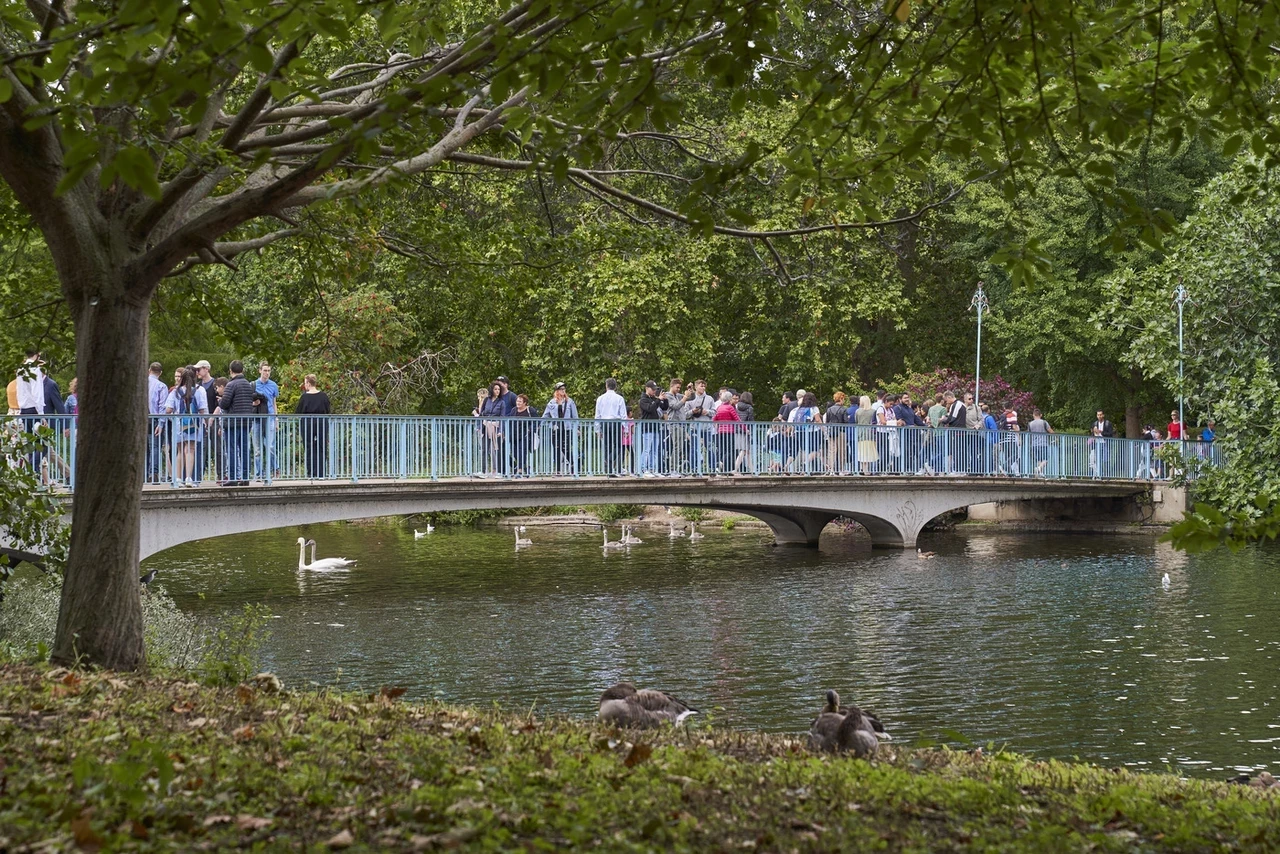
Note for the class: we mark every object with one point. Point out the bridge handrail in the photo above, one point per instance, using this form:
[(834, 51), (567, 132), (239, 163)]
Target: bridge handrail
[(288, 447)]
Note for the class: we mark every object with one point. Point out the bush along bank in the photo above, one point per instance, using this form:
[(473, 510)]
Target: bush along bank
[(113, 762)]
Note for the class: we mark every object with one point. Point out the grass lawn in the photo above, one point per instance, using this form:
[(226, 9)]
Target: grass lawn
[(109, 762)]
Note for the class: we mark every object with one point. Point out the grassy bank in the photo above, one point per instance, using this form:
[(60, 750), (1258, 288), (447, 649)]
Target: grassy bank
[(104, 761)]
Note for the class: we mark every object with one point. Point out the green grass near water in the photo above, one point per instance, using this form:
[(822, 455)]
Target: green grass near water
[(102, 761)]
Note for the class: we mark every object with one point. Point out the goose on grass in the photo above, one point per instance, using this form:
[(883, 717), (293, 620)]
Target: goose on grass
[(625, 706)]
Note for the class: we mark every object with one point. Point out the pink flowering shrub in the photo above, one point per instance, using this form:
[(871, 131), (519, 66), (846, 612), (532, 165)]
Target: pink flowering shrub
[(995, 391)]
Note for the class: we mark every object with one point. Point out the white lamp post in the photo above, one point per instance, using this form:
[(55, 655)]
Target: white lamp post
[(980, 303), (1181, 298)]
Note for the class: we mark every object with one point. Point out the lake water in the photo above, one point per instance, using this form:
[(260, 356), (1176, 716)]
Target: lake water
[(1062, 646)]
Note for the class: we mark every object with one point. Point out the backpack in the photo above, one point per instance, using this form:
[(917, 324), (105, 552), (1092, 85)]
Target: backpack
[(188, 408)]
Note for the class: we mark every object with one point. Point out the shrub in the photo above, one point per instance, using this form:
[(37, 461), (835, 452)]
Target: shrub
[(227, 652), (691, 514), (729, 523), (614, 512)]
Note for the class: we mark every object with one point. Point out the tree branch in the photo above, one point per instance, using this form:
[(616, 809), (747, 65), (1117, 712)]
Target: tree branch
[(590, 177)]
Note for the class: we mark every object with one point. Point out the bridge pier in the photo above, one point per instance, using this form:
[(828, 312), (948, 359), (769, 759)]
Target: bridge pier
[(794, 527)]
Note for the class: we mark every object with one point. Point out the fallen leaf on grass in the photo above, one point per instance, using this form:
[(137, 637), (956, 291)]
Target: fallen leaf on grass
[(341, 839), (252, 822), (393, 693), (134, 828), (118, 684), (86, 838), (639, 753), (244, 694), (465, 805), (197, 723), (210, 821), (449, 839), (182, 708), (244, 733)]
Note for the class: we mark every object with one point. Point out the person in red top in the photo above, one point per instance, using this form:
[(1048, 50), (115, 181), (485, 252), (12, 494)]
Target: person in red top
[(1174, 430), (726, 414)]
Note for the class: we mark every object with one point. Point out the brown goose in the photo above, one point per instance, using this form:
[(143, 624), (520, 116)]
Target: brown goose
[(840, 729), (623, 705)]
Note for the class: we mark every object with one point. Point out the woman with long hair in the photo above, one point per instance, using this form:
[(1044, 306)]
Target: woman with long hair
[(491, 412), (188, 401)]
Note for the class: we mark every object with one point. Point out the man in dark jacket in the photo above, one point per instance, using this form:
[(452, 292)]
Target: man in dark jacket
[(1102, 430), (955, 444), (652, 406), (237, 400)]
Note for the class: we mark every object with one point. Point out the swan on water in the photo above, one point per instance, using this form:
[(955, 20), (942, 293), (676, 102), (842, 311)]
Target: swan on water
[(616, 544), (327, 563), (521, 541), (923, 555), (676, 533), (693, 531), (417, 535), (628, 539), (1164, 582)]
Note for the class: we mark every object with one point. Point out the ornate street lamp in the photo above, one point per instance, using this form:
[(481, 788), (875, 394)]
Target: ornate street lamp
[(1180, 298), (980, 303)]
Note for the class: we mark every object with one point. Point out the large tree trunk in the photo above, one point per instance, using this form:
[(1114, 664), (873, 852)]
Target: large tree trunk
[(100, 619)]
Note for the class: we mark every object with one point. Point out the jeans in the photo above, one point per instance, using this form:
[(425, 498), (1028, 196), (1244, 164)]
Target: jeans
[(264, 448), (237, 437), (648, 448)]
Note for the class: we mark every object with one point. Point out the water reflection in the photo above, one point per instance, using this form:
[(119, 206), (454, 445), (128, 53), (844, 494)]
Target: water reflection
[(1057, 645)]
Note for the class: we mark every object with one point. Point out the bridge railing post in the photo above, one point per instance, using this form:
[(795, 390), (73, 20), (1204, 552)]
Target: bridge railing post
[(354, 447)]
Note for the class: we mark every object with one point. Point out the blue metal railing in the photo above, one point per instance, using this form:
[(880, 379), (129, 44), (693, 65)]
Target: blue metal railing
[(226, 449)]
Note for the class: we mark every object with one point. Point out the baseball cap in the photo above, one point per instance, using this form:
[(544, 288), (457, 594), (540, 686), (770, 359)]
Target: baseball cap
[(651, 384), (558, 386), (502, 379), (203, 363)]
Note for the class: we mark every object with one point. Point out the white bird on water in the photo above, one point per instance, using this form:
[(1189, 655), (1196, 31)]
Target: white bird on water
[(675, 532), (628, 538), (417, 535), (327, 563), (616, 544), (1165, 582), (521, 541), (693, 531)]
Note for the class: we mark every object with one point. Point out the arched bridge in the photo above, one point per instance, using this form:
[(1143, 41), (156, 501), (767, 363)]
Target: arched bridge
[(296, 470), (796, 509)]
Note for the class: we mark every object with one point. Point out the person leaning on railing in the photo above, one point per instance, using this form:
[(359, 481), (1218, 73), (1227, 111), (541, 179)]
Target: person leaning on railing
[(314, 404), (564, 414), (237, 401)]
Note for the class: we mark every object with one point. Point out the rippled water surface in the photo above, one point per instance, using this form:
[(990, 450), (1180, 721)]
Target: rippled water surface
[(1054, 645)]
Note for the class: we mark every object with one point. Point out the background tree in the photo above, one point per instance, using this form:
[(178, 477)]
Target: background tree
[(147, 139)]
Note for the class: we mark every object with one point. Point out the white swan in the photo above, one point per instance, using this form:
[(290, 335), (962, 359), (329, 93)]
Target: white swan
[(1164, 582), (520, 541), (675, 534), (327, 563), (628, 539), (616, 544), (417, 535), (693, 531)]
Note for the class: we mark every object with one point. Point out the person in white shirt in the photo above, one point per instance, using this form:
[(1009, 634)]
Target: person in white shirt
[(611, 407), (157, 444), (31, 397), (31, 385)]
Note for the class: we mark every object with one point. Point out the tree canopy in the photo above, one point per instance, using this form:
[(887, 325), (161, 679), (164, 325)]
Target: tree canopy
[(145, 140)]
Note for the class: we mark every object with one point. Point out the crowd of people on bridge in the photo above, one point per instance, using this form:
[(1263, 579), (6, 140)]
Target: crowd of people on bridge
[(683, 430)]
